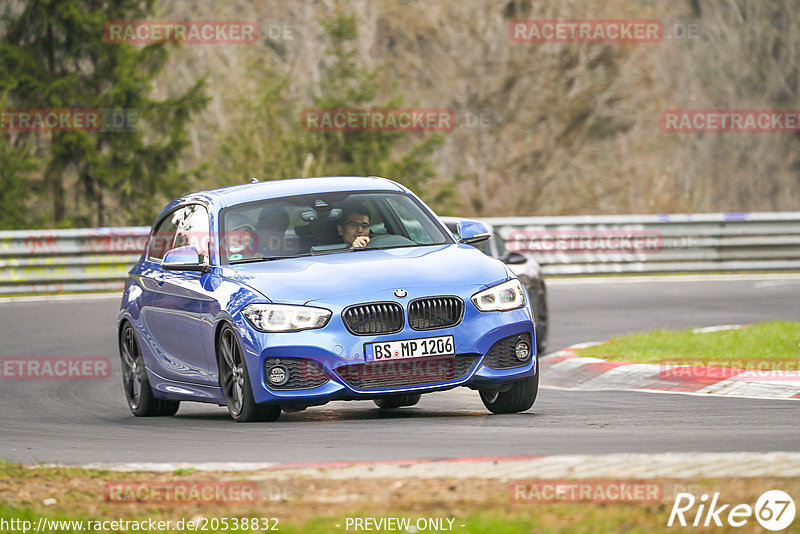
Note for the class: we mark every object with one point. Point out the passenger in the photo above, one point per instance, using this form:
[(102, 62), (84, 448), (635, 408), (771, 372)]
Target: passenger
[(240, 237), (355, 226), (273, 221)]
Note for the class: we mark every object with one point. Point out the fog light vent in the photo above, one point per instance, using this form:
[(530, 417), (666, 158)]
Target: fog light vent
[(293, 373), (510, 352)]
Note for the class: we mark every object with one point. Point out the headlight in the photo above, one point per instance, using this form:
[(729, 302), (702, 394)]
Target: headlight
[(285, 318), (502, 297)]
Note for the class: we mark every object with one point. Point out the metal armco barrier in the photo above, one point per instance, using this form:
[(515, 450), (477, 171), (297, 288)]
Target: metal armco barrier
[(47, 261), (98, 259), (656, 243)]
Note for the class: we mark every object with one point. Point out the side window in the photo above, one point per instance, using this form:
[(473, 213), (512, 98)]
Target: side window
[(194, 229), (484, 247), (185, 226), (163, 236), (501, 245)]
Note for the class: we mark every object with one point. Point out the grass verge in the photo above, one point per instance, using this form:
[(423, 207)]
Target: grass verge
[(775, 343), (324, 505)]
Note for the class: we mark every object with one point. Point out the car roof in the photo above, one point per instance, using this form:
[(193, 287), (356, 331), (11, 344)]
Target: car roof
[(223, 197), (236, 194)]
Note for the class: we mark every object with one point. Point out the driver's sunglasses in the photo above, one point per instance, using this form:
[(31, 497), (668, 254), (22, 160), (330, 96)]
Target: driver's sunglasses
[(356, 225)]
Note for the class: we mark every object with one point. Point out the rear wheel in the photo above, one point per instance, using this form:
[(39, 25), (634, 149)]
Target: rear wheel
[(235, 382), (519, 398), (397, 401), (138, 392)]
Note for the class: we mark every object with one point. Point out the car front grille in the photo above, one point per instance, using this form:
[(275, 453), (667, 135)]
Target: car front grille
[(435, 312), (302, 373), (406, 372), (374, 318), (501, 355)]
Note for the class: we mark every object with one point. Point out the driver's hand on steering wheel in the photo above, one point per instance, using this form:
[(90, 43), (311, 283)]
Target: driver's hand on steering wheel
[(360, 241)]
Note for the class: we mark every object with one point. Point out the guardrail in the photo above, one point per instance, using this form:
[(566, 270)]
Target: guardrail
[(656, 243), (51, 261), (98, 259)]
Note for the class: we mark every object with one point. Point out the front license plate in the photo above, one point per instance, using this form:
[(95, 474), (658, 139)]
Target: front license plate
[(409, 348)]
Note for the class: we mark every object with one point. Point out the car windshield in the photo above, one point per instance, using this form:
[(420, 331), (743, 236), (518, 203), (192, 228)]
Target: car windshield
[(322, 224)]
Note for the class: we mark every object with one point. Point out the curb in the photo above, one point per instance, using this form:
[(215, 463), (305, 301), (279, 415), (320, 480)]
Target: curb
[(566, 369)]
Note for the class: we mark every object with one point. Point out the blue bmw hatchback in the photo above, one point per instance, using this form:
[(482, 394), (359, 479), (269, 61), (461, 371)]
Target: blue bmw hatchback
[(287, 294)]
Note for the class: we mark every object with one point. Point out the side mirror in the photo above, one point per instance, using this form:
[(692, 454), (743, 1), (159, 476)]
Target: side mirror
[(472, 232), (513, 258), (183, 259)]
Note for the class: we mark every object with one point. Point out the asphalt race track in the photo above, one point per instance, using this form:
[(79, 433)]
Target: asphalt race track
[(80, 422)]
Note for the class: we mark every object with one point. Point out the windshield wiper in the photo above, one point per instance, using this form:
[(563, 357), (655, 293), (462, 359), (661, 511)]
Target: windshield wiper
[(356, 249), (257, 258)]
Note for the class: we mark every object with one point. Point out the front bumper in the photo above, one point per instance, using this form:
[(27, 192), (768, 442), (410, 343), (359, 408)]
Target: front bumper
[(329, 363)]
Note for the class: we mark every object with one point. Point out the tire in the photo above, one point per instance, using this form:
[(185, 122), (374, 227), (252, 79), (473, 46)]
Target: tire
[(540, 313), (235, 382), (519, 398), (397, 401), (138, 392)]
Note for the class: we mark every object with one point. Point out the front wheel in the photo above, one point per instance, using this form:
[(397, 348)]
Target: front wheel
[(235, 382), (519, 398), (138, 392)]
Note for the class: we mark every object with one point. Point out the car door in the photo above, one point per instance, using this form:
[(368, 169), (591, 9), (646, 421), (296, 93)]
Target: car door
[(175, 301)]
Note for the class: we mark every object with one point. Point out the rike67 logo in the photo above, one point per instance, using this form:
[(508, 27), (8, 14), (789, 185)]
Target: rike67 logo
[(774, 510)]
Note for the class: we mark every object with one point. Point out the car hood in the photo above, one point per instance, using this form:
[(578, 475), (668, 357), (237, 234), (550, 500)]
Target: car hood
[(371, 271)]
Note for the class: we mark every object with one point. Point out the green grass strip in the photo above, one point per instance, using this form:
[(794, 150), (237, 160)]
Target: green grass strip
[(775, 343)]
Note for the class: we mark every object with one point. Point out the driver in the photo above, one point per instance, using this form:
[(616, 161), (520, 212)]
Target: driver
[(355, 227)]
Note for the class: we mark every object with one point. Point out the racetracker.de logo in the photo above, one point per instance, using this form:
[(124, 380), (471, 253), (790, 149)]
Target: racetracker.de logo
[(416, 370), (180, 31), (585, 240), (585, 491), (585, 31), (378, 120), (738, 370), (69, 120), (55, 368), (182, 492), (730, 121)]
